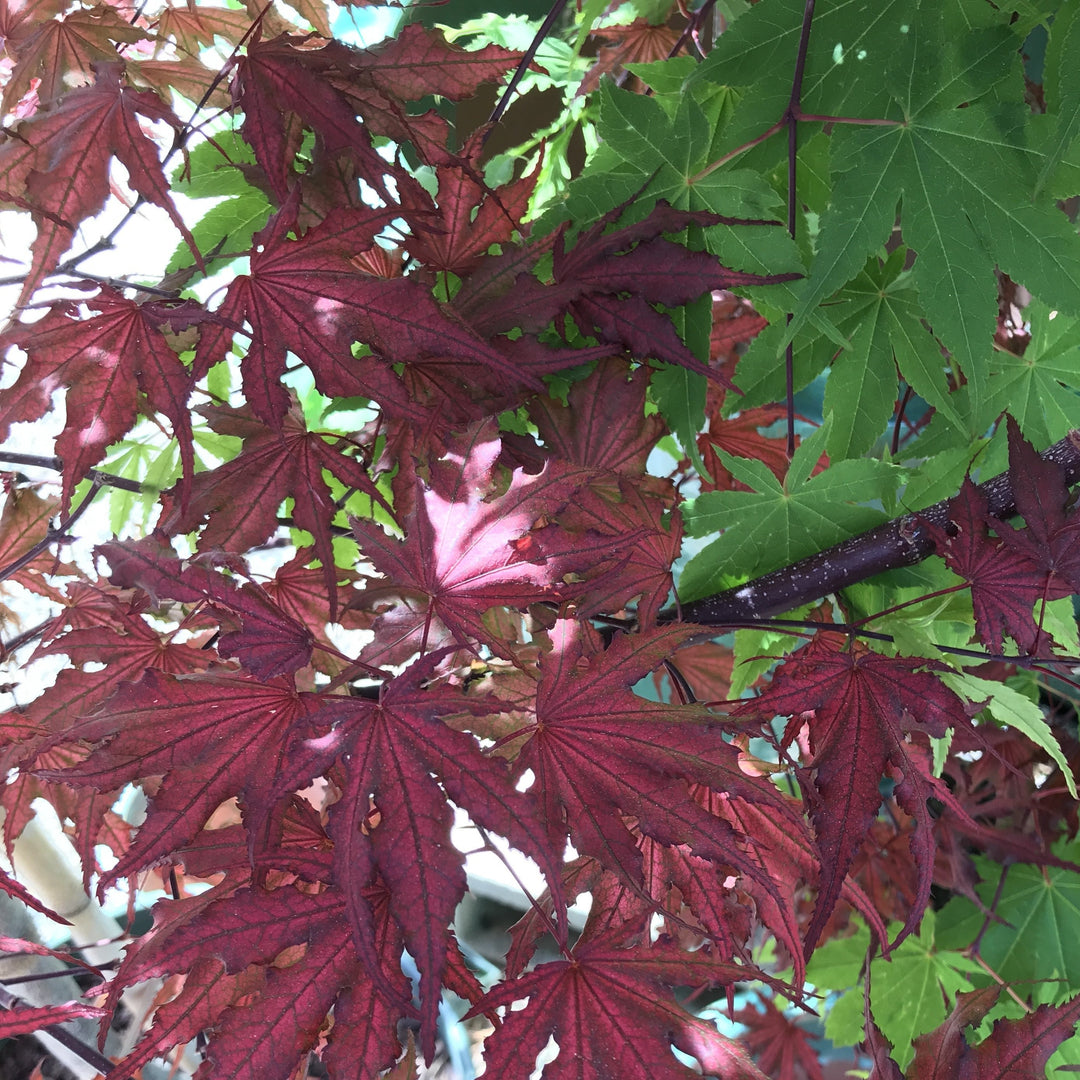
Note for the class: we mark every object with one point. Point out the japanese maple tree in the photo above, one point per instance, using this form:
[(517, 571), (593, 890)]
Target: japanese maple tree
[(671, 494)]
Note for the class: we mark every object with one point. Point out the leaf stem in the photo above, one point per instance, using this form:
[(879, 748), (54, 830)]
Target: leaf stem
[(791, 120), (533, 902), (550, 20), (875, 121), (908, 603)]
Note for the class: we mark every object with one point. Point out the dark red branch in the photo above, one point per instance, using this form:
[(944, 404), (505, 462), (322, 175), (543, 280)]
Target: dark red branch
[(901, 542)]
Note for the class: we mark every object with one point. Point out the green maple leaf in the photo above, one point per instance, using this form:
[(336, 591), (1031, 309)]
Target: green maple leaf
[(1037, 933), (964, 178), (1036, 388), (880, 316), (912, 991), (654, 148), (1061, 87), (214, 170), (778, 523)]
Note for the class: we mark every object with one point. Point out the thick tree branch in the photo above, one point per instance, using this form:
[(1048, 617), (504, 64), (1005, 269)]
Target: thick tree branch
[(901, 542)]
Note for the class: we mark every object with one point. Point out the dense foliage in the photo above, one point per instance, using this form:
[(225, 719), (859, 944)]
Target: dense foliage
[(406, 452)]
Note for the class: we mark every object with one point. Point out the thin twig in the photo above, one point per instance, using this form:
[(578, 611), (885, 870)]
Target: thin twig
[(57, 465), (52, 535), (64, 1037), (550, 20)]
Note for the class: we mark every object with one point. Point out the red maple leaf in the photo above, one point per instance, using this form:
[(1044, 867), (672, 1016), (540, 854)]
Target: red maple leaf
[(104, 360), (299, 590), (612, 1015), (280, 78), (207, 991), (308, 297), (470, 545), (108, 634), (638, 42), (269, 642), (24, 523), (195, 27), (587, 717), (241, 498), (61, 159), (23, 1019), (741, 436), (1052, 538), (603, 423), (1014, 1049), (420, 61), (1005, 581), (177, 728), (60, 53), (781, 1047), (609, 282), (400, 763), (300, 943), (467, 220), (860, 707)]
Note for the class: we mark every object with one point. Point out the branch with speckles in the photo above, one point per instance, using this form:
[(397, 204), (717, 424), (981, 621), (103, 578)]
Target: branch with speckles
[(903, 541)]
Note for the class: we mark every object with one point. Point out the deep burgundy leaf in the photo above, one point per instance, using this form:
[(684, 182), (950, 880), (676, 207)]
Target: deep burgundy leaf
[(269, 642), (1052, 539), (241, 498), (20, 892), (278, 77), (586, 716), (780, 1045), (859, 707), (1005, 581), (468, 219), (61, 158), (207, 991), (104, 361), (211, 737), (609, 282), (24, 523), (307, 296), (400, 765), (1014, 1049), (611, 1015), (321, 969), (603, 423)]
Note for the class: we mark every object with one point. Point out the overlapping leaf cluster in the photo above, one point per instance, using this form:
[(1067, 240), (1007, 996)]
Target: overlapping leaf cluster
[(444, 380)]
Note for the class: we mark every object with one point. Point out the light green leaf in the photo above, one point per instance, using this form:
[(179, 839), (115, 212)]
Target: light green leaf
[(665, 76), (233, 221), (680, 396), (838, 963), (1038, 936), (844, 1023), (755, 651), (912, 992), (778, 524), (1008, 706)]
